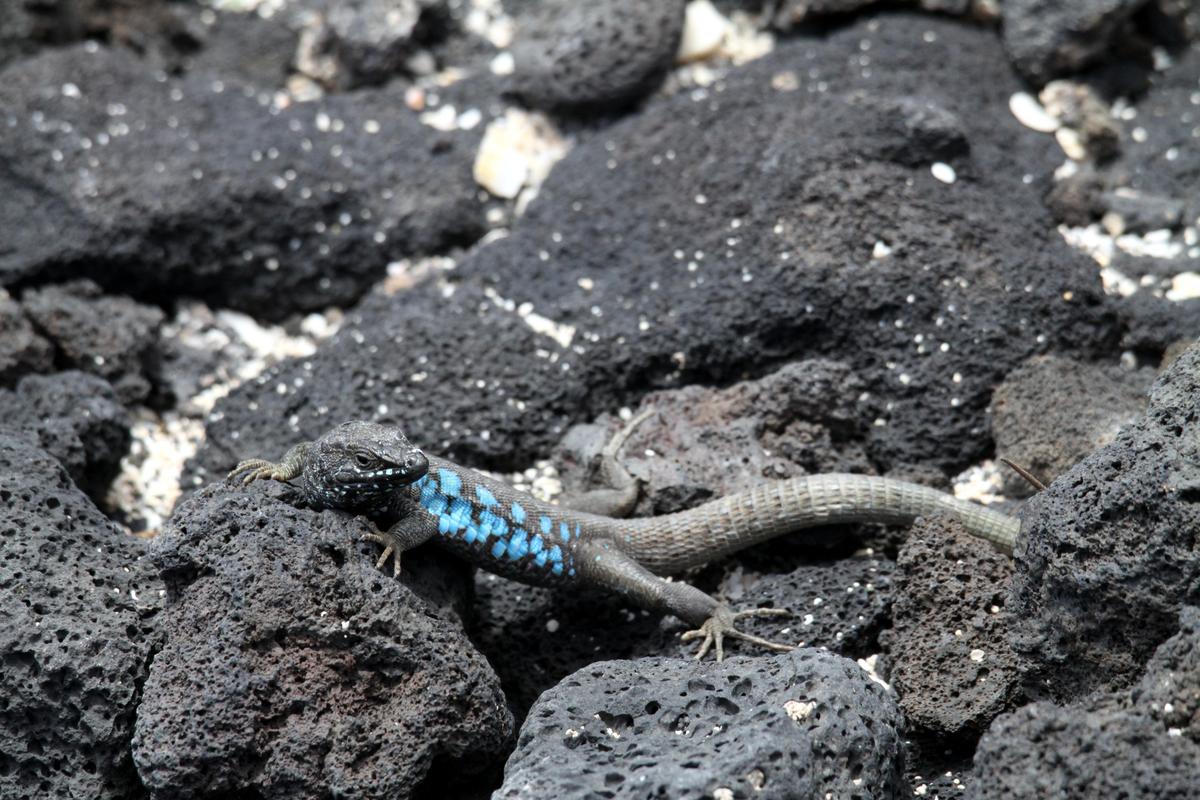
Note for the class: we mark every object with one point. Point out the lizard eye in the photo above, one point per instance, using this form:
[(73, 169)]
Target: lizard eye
[(362, 459)]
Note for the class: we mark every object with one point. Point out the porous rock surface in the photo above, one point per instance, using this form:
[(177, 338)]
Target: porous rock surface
[(198, 186), (22, 349), (1108, 553), (1143, 744), (713, 276), (951, 662), (1051, 412), (605, 53), (1046, 38), (79, 599), (292, 668), (802, 724), (111, 336), (75, 417), (536, 637)]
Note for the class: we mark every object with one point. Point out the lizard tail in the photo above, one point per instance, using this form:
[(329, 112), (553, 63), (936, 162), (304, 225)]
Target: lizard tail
[(672, 542)]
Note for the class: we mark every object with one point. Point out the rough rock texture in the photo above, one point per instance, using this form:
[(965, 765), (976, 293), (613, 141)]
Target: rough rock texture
[(78, 602), (536, 637), (951, 662), (292, 668), (74, 417), (1155, 323), (1043, 750), (246, 48), (753, 241), (1159, 156), (123, 176), (1051, 412), (1046, 38), (1109, 552), (807, 417), (803, 724), (22, 350), (1144, 743), (788, 13), (113, 337), (369, 41), (1170, 690), (600, 54)]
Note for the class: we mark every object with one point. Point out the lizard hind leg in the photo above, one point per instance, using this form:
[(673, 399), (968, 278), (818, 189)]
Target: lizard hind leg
[(618, 491)]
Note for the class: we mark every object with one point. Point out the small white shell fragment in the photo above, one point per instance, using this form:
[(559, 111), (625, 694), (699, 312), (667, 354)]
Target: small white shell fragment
[(1030, 113), (517, 150), (943, 172), (1071, 143), (704, 31), (1184, 286)]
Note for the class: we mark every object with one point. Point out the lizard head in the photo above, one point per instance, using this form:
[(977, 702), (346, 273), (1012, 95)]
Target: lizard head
[(358, 465)]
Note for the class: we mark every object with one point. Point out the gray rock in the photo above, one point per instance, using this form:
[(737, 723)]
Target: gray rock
[(1141, 744), (76, 418), (1043, 750), (1108, 553), (1169, 692), (77, 638), (1154, 323), (119, 174), (22, 350), (804, 724), (110, 336), (833, 172), (1051, 412), (292, 668), (370, 41), (597, 55), (951, 662), (700, 443), (1046, 38)]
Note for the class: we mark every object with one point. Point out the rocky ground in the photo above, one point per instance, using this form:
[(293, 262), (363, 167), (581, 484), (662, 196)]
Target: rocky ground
[(906, 239)]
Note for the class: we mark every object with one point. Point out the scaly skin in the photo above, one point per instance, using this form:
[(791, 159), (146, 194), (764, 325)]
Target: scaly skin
[(374, 470)]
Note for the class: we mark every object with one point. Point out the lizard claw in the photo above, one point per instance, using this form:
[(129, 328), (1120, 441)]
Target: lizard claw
[(391, 549), (721, 624), (253, 469)]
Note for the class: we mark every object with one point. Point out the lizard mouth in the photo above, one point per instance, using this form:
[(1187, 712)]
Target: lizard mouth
[(412, 469)]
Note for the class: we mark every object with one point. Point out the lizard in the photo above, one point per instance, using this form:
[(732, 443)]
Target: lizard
[(373, 470)]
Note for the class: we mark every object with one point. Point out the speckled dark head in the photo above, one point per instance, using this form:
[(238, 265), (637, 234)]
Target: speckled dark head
[(358, 466)]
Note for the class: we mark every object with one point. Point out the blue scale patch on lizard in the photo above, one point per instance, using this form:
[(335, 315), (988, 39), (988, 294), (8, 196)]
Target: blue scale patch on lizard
[(451, 483), (482, 523)]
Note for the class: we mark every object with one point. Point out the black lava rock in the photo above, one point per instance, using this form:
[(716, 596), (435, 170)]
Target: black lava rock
[(1051, 412), (1108, 553), (1047, 38), (951, 662), (76, 418), (536, 637), (110, 336), (843, 246), (199, 186), (293, 668), (22, 350), (804, 724), (600, 54), (79, 601), (1142, 745)]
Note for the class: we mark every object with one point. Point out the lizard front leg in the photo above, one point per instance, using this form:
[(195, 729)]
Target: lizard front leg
[(254, 469), (409, 531), (605, 566)]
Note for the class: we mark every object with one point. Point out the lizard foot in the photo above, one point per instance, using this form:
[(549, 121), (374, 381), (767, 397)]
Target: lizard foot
[(256, 469), (391, 549), (721, 624)]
